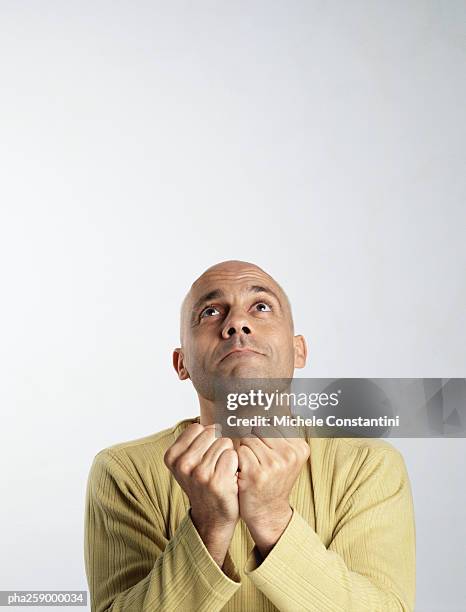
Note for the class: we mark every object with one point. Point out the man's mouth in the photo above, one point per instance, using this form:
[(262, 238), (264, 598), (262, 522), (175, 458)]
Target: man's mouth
[(239, 353)]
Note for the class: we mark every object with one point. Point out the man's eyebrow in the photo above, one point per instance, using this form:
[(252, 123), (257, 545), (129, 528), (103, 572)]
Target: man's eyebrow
[(207, 297), (261, 289)]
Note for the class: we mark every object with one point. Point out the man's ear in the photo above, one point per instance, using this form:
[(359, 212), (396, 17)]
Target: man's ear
[(300, 351), (178, 364)]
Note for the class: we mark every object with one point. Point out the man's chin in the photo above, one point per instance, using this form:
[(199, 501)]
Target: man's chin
[(241, 380), (241, 370)]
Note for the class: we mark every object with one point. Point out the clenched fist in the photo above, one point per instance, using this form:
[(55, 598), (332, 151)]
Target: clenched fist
[(205, 467), (269, 468), (254, 482)]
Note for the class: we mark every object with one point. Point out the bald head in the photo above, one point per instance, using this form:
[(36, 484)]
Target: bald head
[(228, 272), (236, 323)]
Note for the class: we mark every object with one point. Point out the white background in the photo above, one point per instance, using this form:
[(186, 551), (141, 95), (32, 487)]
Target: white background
[(142, 142)]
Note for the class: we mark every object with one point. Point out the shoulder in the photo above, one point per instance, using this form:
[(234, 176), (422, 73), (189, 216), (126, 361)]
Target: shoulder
[(368, 446), (141, 454), (162, 438), (351, 448), (352, 459), (135, 470), (350, 473)]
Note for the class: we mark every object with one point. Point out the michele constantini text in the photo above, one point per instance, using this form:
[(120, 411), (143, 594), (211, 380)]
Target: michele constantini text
[(299, 421)]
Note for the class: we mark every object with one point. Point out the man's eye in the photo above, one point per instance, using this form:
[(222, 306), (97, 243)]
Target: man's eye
[(267, 306), (205, 312)]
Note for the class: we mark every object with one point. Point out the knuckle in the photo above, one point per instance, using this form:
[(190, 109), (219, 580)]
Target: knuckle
[(259, 477), (290, 456), (229, 454), (225, 443), (168, 458), (184, 465), (200, 475)]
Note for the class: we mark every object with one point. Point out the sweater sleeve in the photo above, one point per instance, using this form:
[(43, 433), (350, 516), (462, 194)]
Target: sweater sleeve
[(130, 564), (369, 565)]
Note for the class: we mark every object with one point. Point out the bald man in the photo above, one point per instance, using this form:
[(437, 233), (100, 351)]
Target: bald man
[(187, 520)]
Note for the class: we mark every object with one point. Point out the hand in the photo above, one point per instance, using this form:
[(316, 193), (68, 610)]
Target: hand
[(205, 467), (269, 468)]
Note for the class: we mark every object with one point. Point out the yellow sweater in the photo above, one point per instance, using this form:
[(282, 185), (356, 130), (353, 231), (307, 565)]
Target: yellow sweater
[(349, 546)]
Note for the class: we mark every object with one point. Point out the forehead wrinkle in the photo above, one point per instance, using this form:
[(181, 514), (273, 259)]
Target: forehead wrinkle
[(219, 278), (253, 274)]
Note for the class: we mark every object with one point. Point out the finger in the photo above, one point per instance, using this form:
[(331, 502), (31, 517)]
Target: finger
[(212, 454), (227, 464), (281, 445), (275, 439), (183, 441), (258, 447), (201, 443)]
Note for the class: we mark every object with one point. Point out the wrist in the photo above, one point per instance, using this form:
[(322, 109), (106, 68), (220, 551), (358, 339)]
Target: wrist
[(270, 518), (266, 530), (213, 526)]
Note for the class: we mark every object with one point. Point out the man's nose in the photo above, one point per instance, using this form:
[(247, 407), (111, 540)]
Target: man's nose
[(236, 324)]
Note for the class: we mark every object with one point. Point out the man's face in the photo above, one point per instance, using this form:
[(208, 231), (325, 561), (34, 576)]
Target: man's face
[(236, 323)]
